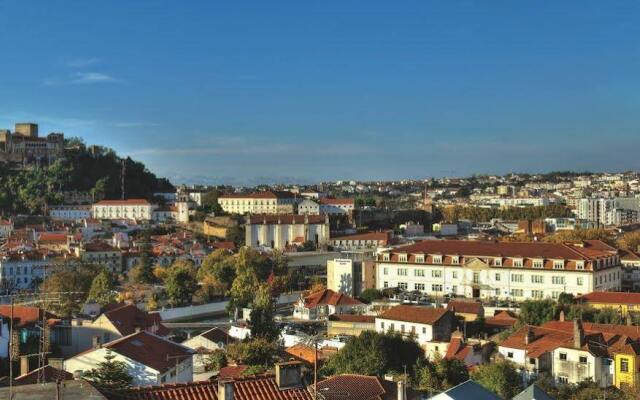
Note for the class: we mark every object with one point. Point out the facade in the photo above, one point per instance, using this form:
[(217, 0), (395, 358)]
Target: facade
[(350, 324), (101, 253), (516, 271), (309, 207), (622, 302), (151, 359), (6, 228), (336, 206), (349, 276), (70, 212), (609, 211), (286, 231), (22, 270), (367, 240), (137, 209), (205, 343), (425, 324), (269, 202)]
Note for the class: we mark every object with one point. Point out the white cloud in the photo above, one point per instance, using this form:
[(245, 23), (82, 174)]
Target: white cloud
[(81, 78)]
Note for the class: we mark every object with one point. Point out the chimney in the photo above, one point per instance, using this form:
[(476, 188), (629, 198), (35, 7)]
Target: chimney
[(561, 317), (530, 336), (402, 390), (578, 334), (225, 390), (95, 342), (288, 374), (57, 363), (24, 365)]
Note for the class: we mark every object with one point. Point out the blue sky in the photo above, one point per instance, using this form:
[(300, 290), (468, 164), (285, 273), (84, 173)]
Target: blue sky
[(242, 92)]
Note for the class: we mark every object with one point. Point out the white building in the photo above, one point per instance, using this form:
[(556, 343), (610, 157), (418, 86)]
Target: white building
[(309, 207), (285, 231), (268, 202), (336, 206), (137, 209), (424, 324), (150, 359), (19, 270), (70, 212), (205, 343), (504, 270), (6, 228)]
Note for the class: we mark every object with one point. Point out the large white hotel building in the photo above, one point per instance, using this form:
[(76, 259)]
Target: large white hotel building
[(503, 270)]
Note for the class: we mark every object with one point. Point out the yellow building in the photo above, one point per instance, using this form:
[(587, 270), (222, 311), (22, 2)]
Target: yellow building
[(348, 324), (621, 301)]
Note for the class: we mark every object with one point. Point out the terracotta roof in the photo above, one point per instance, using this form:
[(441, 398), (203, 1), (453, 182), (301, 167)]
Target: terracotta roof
[(417, 314), (285, 219), (502, 319), (217, 335), (49, 373), (329, 297), (361, 387), (231, 371), (149, 349), (261, 387), (130, 202), (98, 246), (270, 194), (465, 307), (611, 298), (327, 200), (379, 236), (457, 350), (26, 316), (127, 318), (365, 319), (226, 245), (629, 255), (52, 237)]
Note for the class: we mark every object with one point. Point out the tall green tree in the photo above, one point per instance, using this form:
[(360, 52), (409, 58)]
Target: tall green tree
[(102, 289), (110, 374), (181, 283), (262, 315), (441, 374), (499, 377)]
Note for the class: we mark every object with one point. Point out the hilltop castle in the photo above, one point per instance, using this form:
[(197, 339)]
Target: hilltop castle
[(24, 146)]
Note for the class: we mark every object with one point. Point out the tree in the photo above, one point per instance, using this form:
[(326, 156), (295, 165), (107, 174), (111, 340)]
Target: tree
[(441, 374), (210, 202), (73, 280), (181, 283), (262, 321), (499, 377), (236, 234), (251, 269), (370, 295), (255, 351), (143, 270), (102, 289), (630, 241), (111, 374), (581, 234), (216, 360), (537, 312), (374, 353)]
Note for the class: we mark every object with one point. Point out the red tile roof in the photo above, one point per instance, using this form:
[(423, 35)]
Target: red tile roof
[(329, 297), (613, 298), (457, 350), (130, 202), (261, 387), (465, 307), (231, 371), (52, 237), (364, 319), (217, 335), (127, 318), (417, 314), (26, 316), (149, 349), (503, 319), (43, 374), (285, 219), (361, 387)]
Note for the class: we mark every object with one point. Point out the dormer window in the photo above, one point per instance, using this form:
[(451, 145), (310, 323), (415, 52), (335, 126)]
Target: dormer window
[(455, 260), (558, 264), (538, 263), (420, 258), (517, 262), (437, 259), (580, 265), (385, 257), (402, 257)]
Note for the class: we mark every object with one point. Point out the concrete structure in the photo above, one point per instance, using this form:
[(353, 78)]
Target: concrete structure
[(336, 206), (269, 202), (101, 253), (286, 231), (72, 212), (504, 270), (136, 209), (350, 277), (309, 207)]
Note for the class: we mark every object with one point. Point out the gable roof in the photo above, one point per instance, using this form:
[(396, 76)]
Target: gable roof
[(149, 349), (502, 319), (262, 387), (465, 307), (49, 373), (217, 335), (127, 318), (457, 350), (352, 386), (611, 297), (467, 390), (533, 392), (329, 297), (25, 315), (416, 314)]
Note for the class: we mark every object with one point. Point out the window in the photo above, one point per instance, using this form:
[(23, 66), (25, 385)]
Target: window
[(557, 280), (402, 285), (437, 259), (454, 289), (537, 279), (424, 330), (419, 286), (510, 354), (580, 265), (436, 288), (537, 294), (562, 356), (555, 294), (436, 274), (385, 271), (583, 360), (516, 278), (454, 275), (402, 257), (497, 262), (538, 264), (418, 272), (579, 281), (385, 257), (476, 277), (382, 325), (497, 278), (420, 258), (402, 272), (624, 365), (517, 292), (517, 262), (558, 264), (532, 361), (563, 379), (455, 260), (385, 284), (402, 328)]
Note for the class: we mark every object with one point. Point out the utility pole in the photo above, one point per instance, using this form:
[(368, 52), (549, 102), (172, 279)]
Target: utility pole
[(11, 351)]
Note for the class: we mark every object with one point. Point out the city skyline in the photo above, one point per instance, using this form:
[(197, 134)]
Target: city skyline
[(301, 93)]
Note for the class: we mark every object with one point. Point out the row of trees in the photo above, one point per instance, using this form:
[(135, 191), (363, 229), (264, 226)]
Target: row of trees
[(455, 213)]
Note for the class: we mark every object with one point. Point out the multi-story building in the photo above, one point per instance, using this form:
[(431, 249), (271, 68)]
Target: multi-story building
[(424, 324), (308, 206), (101, 253), (365, 240), (609, 211), (138, 209), (336, 206), (286, 230), (505, 270), (21, 270), (6, 227), (349, 276), (72, 212), (268, 202)]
